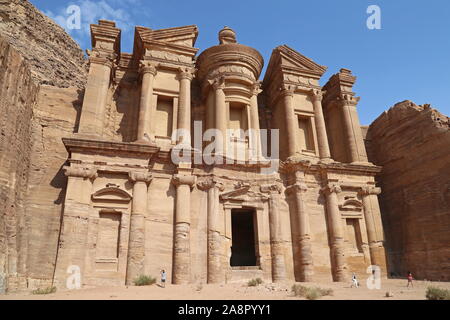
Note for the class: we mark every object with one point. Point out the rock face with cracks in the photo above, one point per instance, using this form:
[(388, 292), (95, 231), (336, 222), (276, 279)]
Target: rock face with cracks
[(412, 144)]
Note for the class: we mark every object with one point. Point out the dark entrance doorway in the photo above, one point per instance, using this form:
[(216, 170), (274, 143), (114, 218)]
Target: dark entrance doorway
[(243, 250)]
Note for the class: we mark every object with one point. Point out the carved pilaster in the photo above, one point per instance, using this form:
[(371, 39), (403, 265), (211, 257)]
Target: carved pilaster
[(337, 233), (181, 258), (136, 245), (374, 225), (216, 254), (276, 237)]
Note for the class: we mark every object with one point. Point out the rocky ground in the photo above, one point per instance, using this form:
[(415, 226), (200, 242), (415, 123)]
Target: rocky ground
[(238, 291)]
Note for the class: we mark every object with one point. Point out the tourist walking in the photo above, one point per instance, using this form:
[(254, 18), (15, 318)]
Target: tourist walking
[(354, 281), (410, 280), (163, 278)]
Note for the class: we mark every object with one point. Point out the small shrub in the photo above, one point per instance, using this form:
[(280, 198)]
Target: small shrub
[(255, 282), (299, 290), (325, 292), (435, 293), (144, 280), (47, 290), (310, 293), (313, 293)]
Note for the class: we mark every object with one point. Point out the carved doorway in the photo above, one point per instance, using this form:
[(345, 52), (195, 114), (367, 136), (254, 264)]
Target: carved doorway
[(244, 238)]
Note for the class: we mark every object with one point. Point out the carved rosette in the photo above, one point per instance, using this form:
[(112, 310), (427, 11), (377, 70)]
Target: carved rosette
[(179, 180), (369, 190), (148, 67), (79, 172), (136, 176)]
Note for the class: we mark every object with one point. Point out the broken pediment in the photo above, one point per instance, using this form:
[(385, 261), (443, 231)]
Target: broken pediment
[(351, 205), (111, 194), (242, 194), (289, 61)]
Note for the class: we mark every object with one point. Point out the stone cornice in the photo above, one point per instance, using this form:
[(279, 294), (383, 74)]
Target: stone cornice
[(80, 144)]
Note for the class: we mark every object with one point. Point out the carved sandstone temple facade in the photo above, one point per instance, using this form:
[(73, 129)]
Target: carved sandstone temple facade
[(130, 210)]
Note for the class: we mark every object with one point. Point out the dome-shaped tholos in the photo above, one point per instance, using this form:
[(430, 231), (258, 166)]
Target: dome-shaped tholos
[(229, 59)]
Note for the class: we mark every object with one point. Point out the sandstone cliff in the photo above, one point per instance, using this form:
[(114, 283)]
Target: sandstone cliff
[(18, 96), (54, 57), (42, 76), (412, 144)]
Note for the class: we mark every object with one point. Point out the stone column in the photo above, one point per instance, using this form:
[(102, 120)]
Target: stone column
[(73, 244), (96, 94), (304, 241), (136, 245), (220, 110), (148, 71), (374, 226), (322, 138), (181, 256), (336, 233), (184, 105), (291, 119), (254, 114), (276, 237), (348, 102), (216, 269)]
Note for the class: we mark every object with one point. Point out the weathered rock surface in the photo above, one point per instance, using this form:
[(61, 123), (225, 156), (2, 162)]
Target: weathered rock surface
[(54, 57), (18, 95), (412, 144)]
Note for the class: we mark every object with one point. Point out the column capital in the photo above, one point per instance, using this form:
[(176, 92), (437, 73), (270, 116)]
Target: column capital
[(186, 73), (79, 172), (209, 183), (348, 100), (218, 83), (332, 187), (369, 190), (316, 95), (298, 187), (102, 58), (136, 176), (180, 179), (271, 188), (287, 90), (146, 66), (256, 88)]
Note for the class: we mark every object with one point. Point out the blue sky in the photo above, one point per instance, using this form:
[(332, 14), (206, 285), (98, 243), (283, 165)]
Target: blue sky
[(409, 58)]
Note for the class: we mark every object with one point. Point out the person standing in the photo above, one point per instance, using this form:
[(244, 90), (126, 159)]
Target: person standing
[(410, 280), (163, 278)]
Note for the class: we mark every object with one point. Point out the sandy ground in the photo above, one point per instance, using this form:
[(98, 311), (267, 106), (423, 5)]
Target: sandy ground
[(237, 291)]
